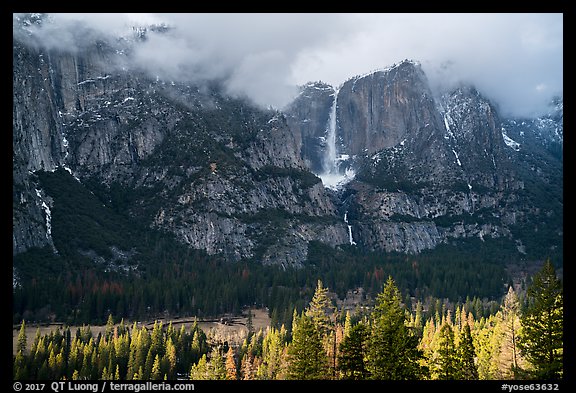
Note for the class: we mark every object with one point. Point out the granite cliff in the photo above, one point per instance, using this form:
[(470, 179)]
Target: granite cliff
[(225, 176)]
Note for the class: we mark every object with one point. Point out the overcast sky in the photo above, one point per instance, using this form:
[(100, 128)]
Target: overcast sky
[(514, 59)]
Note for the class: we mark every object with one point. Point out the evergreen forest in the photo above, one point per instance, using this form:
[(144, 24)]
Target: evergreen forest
[(519, 338)]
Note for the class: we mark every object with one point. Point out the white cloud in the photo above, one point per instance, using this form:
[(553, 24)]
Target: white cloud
[(264, 55)]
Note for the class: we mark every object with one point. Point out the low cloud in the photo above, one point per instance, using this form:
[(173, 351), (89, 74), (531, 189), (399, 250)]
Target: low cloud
[(514, 59)]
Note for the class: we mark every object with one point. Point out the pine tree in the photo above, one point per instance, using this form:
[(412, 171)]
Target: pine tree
[(347, 324), (94, 361), (272, 349), (36, 341), (171, 358), (352, 353), (60, 365), (466, 355), (231, 372), (198, 346), (199, 371), (102, 355), (250, 323), (22, 340), (141, 349), (428, 334), (247, 367), (392, 349), (109, 327), (294, 322), (255, 346), (157, 339), (458, 318), (489, 341), (170, 332), (446, 362), (478, 308), (156, 373), (217, 365), (334, 352), (148, 365), (418, 321), (44, 372), (510, 357), (86, 370), (307, 358), (320, 309), (20, 369), (105, 375), (542, 322), (73, 356)]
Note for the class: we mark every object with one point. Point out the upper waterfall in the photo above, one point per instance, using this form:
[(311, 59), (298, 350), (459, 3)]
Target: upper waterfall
[(332, 176)]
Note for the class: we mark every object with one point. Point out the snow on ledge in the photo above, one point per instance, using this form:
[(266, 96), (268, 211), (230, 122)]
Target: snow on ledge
[(510, 142)]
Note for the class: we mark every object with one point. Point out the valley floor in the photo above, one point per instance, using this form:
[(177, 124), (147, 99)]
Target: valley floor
[(227, 328)]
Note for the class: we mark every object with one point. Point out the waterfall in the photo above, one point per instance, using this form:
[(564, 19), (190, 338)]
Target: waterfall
[(48, 215), (330, 164), (350, 238), (331, 176)]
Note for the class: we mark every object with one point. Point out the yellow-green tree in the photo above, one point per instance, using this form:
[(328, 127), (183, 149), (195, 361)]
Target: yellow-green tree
[(445, 361), (22, 341)]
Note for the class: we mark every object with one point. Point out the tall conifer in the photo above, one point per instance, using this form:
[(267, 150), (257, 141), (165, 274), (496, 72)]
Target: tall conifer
[(542, 323)]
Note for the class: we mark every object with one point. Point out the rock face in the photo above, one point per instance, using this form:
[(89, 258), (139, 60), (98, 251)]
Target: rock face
[(219, 173), (380, 110), (232, 179), (308, 117), (431, 169)]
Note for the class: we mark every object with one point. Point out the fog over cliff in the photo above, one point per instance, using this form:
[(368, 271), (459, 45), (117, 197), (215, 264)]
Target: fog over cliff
[(514, 59)]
